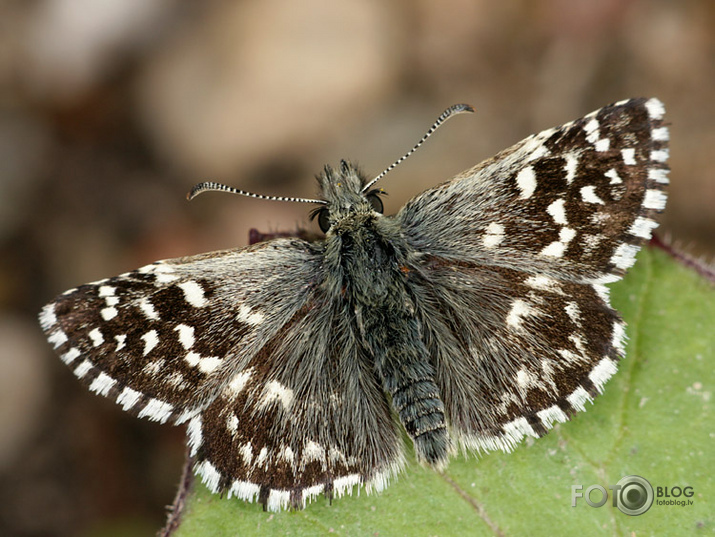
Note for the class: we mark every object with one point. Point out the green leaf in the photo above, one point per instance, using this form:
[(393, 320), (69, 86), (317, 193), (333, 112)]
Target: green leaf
[(654, 420)]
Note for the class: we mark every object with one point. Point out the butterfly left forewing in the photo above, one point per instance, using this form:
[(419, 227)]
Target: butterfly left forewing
[(162, 340), (512, 258), (574, 202)]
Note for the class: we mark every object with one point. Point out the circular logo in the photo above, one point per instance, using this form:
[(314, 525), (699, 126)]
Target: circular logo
[(635, 495)]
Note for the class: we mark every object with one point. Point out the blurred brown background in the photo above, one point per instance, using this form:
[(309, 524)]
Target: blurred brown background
[(112, 110)]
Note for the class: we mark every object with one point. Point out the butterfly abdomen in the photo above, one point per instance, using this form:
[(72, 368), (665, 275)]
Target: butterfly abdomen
[(387, 324), (408, 376)]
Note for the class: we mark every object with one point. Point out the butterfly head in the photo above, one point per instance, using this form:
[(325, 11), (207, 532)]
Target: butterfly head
[(345, 198)]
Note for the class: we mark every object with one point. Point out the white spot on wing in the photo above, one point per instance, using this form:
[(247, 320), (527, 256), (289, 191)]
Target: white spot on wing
[(82, 369), (526, 182), (659, 155), (312, 492), (48, 317), (148, 309), (544, 283), (121, 340), (551, 415), (619, 336), (162, 277), (128, 398), (248, 316), (655, 108), (557, 211), (246, 452), (493, 235), (603, 144), (244, 490), (232, 424), (238, 382), (591, 127), (204, 364), (108, 313), (578, 398), (642, 227), (603, 292), (523, 378), (517, 429), (193, 430), (519, 310), (209, 475), (102, 384), (57, 338), (186, 335), (654, 199), (574, 312), (96, 337), (540, 150), (629, 156), (262, 458), (277, 500), (312, 452), (571, 166), (156, 410), (342, 484), (273, 391), (588, 194), (625, 256), (612, 174), (106, 290), (193, 293), (660, 134), (557, 248), (286, 454), (151, 340), (603, 371), (70, 356), (658, 175)]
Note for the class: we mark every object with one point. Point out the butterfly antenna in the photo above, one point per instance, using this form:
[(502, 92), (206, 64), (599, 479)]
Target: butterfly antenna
[(451, 111), (218, 187)]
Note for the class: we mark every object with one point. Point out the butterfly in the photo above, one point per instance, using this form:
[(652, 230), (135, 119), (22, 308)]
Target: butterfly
[(474, 317)]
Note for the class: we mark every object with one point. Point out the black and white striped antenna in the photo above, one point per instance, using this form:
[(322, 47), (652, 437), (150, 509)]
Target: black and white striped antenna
[(451, 111), (210, 186)]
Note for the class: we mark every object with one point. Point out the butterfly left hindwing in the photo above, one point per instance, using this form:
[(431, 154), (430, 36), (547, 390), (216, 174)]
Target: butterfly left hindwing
[(307, 416)]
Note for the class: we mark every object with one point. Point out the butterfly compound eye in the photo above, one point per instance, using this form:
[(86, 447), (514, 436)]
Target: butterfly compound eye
[(375, 202), (324, 220)]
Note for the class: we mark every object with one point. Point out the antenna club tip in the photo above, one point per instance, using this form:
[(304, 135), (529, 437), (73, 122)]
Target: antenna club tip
[(197, 189), (463, 107)]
